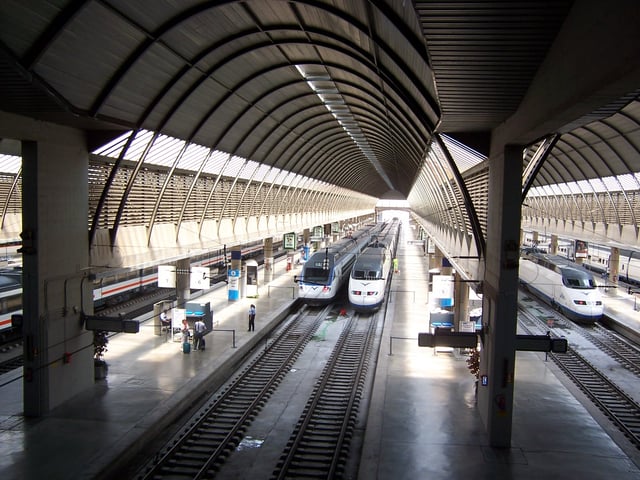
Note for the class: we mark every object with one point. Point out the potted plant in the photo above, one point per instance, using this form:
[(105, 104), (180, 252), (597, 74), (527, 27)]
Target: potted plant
[(473, 364), (100, 341)]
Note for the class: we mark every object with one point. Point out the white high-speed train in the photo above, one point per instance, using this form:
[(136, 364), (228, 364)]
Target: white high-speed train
[(327, 270), (594, 257), (372, 270), (568, 288)]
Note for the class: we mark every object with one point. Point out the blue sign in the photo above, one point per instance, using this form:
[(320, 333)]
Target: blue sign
[(234, 284)]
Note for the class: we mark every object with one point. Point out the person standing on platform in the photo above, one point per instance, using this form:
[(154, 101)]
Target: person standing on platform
[(252, 318), (186, 334), (199, 329), (395, 265)]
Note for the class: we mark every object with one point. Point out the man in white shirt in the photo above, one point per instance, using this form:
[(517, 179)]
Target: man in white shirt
[(165, 320), (199, 329)]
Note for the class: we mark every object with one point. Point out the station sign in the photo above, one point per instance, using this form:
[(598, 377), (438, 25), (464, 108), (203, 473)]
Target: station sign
[(289, 240), (166, 276), (233, 285), (443, 286), (200, 278)]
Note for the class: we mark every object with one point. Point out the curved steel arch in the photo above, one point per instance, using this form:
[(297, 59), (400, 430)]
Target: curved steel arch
[(577, 167), (7, 201), (613, 175), (544, 172), (192, 187), (565, 139), (476, 228), (107, 187), (171, 24), (258, 73), (205, 207)]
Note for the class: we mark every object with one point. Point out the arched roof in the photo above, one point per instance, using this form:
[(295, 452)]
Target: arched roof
[(342, 91), (351, 93)]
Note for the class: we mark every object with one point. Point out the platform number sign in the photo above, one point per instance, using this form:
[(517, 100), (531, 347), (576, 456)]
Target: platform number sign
[(289, 241), (166, 276)]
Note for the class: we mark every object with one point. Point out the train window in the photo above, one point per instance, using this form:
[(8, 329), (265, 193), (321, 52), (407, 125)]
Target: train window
[(315, 275)]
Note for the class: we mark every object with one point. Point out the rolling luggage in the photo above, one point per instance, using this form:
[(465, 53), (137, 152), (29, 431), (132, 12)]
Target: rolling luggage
[(186, 347)]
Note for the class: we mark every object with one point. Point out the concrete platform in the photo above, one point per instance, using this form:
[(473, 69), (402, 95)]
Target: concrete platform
[(422, 419)]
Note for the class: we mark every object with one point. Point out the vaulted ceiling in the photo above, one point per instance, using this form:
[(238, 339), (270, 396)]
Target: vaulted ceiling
[(346, 92)]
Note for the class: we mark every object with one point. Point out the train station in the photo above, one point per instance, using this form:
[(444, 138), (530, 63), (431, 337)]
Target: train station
[(431, 206)]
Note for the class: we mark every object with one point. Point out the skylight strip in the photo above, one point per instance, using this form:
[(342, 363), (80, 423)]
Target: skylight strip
[(10, 164)]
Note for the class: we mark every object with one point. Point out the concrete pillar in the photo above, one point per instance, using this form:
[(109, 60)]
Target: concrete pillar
[(553, 245), (268, 260), (580, 251), (444, 265), (500, 299), (58, 351), (183, 281), (460, 302), (534, 238), (436, 260), (614, 265)]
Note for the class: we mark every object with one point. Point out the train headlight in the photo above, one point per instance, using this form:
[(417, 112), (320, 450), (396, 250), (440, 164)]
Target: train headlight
[(356, 292), (580, 302), (370, 294)]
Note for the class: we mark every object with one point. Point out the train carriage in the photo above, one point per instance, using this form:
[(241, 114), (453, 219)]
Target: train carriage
[(571, 290), (371, 271), (326, 271)]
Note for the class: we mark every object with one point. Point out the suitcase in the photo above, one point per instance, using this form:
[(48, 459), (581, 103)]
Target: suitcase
[(186, 347)]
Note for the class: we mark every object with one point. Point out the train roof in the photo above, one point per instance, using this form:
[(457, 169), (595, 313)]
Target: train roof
[(562, 265), (575, 272), (369, 254)]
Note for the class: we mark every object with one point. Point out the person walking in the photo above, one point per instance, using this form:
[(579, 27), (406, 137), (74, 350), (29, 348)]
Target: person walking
[(199, 329), (252, 318)]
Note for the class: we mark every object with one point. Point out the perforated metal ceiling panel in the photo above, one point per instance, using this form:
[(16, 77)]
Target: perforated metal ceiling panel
[(340, 91)]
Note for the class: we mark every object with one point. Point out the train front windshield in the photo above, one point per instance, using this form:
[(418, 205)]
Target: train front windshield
[(579, 281), (315, 275)]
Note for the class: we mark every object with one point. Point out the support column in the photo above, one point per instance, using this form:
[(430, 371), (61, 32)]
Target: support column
[(460, 302), (553, 246), (500, 299), (58, 351), (268, 260), (183, 280), (436, 260), (614, 265), (534, 238)]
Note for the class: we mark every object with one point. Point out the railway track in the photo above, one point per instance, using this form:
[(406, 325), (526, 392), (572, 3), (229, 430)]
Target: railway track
[(200, 450), (617, 348), (11, 364), (621, 409), (319, 446)]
